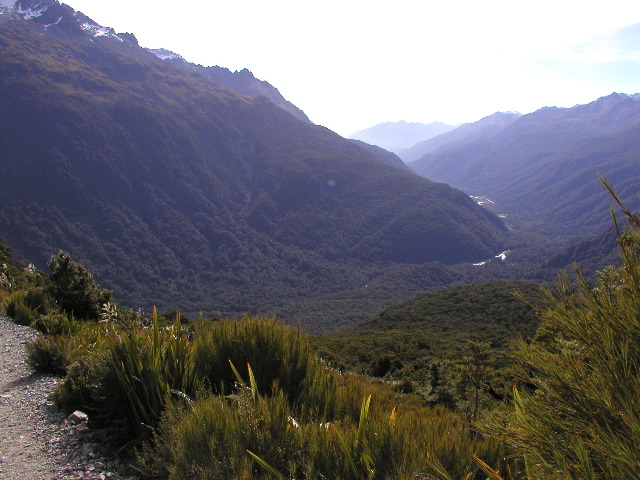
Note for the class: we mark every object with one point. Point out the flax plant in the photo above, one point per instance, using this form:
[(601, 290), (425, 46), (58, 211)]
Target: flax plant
[(148, 368)]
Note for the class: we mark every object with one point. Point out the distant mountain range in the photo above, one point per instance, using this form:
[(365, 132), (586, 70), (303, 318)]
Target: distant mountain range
[(397, 136), (177, 191), (541, 169), (467, 133)]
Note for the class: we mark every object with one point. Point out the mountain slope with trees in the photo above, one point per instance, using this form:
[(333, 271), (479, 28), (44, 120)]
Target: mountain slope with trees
[(408, 337), (542, 170), (187, 195), (241, 81)]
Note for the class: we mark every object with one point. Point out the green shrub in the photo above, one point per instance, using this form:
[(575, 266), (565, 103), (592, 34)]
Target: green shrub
[(149, 368), (39, 301), (90, 384), (19, 310), (56, 324), (74, 289), (213, 438), (580, 418), (50, 354), (279, 356)]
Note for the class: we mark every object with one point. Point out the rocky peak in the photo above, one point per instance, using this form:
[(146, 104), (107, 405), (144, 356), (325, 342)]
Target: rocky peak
[(56, 18), (164, 54)]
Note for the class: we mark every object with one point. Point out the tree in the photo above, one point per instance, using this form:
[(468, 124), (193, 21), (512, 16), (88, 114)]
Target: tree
[(579, 416), (74, 289), (475, 370)]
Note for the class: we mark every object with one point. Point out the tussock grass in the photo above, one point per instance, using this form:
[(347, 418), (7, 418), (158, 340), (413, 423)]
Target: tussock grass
[(245, 399), (239, 430), (148, 368), (280, 360)]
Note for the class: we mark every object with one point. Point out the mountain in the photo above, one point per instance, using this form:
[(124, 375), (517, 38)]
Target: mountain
[(484, 128), (383, 155), (591, 254), (542, 170), (396, 136), (179, 192), (241, 81)]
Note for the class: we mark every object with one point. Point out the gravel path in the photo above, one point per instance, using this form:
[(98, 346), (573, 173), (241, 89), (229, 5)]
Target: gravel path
[(37, 441)]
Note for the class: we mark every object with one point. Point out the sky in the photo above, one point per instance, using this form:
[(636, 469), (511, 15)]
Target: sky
[(351, 64)]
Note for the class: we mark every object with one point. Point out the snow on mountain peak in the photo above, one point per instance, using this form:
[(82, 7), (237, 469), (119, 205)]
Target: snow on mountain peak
[(164, 54), (93, 29), (8, 4), (99, 31), (33, 11)]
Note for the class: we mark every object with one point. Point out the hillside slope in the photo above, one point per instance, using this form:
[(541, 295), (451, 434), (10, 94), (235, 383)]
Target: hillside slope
[(178, 192), (542, 170), (435, 327)]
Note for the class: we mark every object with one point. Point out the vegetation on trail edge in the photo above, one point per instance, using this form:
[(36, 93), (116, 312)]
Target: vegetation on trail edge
[(248, 398)]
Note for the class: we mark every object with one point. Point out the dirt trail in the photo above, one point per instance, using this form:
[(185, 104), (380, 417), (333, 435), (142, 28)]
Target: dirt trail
[(37, 442)]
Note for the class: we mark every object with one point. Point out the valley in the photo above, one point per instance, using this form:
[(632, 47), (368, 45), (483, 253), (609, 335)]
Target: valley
[(181, 193), (232, 291), (233, 206)]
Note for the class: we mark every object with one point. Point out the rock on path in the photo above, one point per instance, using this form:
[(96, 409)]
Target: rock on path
[(37, 442)]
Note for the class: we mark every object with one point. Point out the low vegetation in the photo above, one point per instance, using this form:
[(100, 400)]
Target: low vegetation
[(251, 398), (575, 414), (218, 398)]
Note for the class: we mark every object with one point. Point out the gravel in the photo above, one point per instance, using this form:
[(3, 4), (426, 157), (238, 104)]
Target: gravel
[(37, 440)]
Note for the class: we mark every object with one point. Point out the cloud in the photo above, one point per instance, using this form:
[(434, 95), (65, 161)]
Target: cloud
[(622, 45)]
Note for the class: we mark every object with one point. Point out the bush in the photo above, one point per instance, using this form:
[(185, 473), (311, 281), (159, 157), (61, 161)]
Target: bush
[(39, 301), (213, 438), (50, 354), (74, 289), (149, 368), (19, 310), (580, 417), (279, 357), (90, 384), (56, 324)]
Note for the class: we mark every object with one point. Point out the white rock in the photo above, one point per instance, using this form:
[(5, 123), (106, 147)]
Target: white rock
[(78, 417)]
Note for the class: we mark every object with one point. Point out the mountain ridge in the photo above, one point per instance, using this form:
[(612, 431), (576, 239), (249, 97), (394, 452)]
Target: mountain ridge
[(192, 196), (466, 133), (542, 169), (397, 136), (242, 81)]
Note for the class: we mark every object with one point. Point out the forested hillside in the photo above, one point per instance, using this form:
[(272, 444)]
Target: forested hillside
[(542, 170), (407, 339), (187, 195)]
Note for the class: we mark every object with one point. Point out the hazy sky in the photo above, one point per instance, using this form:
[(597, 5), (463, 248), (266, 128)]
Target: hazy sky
[(350, 64)]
